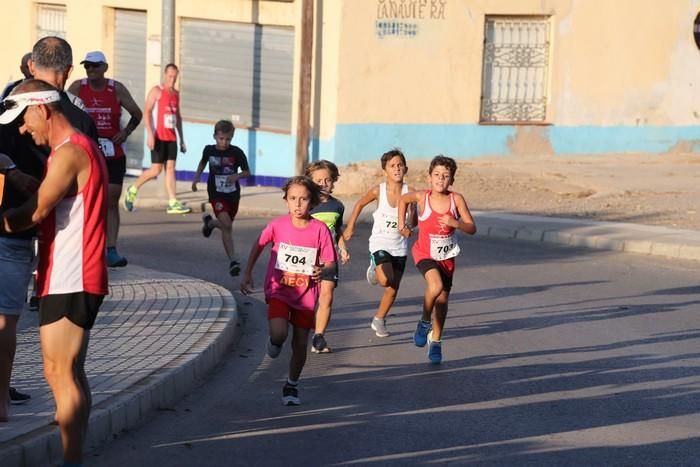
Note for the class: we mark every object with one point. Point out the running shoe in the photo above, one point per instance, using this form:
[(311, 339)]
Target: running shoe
[(18, 398), (234, 267), (290, 395), (372, 271), (273, 350), (207, 228), (420, 337), (177, 207), (319, 344), (379, 327), (434, 349), (114, 260), (129, 198)]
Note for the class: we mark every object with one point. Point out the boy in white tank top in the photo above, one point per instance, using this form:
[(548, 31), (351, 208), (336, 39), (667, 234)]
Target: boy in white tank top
[(387, 247)]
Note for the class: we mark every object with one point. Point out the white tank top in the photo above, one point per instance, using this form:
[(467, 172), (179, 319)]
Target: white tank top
[(385, 233)]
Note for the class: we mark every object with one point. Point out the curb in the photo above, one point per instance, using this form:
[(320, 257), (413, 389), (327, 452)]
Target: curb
[(134, 406)]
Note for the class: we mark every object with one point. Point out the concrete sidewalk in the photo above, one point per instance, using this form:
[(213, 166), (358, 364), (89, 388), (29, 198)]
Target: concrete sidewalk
[(156, 336), (617, 236)]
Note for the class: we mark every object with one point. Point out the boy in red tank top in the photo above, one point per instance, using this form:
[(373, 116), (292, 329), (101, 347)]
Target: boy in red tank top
[(442, 213)]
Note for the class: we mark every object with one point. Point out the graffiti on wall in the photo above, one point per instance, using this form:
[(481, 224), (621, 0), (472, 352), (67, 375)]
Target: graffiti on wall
[(400, 18)]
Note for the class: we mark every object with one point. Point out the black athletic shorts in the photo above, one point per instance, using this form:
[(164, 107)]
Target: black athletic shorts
[(116, 168), (426, 265), (398, 263), (330, 275), (163, 151), (79, 307)]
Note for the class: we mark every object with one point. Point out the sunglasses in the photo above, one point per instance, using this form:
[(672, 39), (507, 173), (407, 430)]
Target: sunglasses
[(91, 65)]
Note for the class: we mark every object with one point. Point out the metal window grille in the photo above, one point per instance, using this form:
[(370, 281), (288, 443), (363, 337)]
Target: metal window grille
[(516, 59), (50, 21)]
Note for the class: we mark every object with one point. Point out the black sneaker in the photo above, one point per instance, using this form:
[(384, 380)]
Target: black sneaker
[(319, 344), (207, 228), (234, 268), (290, 395), (18, 398)]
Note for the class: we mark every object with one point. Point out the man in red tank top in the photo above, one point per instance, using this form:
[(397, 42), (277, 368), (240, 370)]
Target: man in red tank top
[(71, 209), (162, 139), (104, 99)]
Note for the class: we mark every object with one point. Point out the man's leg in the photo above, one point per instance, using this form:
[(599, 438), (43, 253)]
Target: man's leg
[(152, 172), (114, 193), (62, 344), (170, 179), (8, 344)]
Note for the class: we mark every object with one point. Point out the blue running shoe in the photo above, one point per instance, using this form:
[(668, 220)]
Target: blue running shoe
[(114, 260), (420, 337), (434, 350)]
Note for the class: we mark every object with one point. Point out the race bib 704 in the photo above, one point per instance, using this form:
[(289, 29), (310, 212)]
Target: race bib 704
[(296, 259)]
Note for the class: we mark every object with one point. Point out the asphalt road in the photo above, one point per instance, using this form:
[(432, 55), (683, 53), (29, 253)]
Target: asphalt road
[(552, 356)]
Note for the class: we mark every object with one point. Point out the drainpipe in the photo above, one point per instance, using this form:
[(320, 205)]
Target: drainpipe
[(167, 34)]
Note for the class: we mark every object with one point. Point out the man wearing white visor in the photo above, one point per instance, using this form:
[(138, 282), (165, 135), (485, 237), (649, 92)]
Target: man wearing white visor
[(71, 209)]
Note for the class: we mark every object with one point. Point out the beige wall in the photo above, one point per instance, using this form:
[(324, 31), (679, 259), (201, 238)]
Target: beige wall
[(622, 62)]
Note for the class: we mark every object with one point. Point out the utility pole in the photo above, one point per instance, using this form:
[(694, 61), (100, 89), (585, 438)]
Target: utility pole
[(167, 34), (304, 105)]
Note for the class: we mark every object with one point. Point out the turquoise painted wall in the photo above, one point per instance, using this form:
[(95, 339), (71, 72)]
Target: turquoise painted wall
[(272, 155)]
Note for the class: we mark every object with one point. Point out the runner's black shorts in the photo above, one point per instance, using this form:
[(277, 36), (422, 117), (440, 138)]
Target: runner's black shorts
[(163, 151), (398, 263), (426, 265), (80, 308), (116, 168)]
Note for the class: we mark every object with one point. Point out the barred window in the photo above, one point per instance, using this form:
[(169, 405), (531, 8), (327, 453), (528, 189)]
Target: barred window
[(50, 20), (515, 69)]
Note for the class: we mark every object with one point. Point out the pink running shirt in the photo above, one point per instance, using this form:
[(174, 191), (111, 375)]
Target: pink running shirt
[(298, 291)]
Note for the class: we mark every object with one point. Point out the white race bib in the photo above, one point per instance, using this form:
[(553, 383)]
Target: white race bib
[(388, 224), (443, 247), (169, 120), (296, 259), (223, 185), (107, 146)]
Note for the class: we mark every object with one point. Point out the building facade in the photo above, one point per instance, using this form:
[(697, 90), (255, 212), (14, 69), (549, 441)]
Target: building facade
[(466, 78)]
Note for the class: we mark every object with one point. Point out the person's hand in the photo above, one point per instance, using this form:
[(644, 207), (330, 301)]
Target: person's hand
[(447, 220), (194, 185), (405, 231), (316, 273), (183, 147), (232, 179), (120, 137), (247, 285), (150, 141), (347, 233), (344, 255)]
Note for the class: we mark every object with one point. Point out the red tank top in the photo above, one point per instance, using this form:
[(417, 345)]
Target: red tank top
[(104, 108), (166, 114), (429, 231), (72, 238)]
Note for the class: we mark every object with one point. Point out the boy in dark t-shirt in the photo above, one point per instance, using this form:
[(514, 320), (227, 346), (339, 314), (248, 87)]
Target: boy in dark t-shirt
[(227, 165)]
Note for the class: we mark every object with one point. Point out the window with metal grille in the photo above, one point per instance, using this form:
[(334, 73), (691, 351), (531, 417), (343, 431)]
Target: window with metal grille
[(238, 71), (50, 20), (515, 69)]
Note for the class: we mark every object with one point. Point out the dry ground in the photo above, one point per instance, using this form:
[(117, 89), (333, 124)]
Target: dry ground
[(643, 189)]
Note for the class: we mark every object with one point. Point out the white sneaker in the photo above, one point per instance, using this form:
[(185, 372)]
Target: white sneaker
[(273, 350), (379, 327), (372, 275)]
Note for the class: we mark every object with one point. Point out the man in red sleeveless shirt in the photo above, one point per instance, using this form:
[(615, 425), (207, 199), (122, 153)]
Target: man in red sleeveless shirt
[(71, 210), (104, 99), (162, 139)]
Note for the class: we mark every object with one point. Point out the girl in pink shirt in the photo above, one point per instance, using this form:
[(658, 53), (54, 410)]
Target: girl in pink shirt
[(302, 250)]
